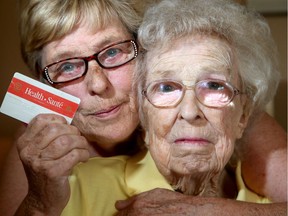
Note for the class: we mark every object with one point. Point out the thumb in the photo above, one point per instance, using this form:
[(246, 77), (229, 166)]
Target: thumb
[(122, 204)]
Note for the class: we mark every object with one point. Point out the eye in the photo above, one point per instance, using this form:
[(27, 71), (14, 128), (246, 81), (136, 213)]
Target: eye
[(112, 56), (116, 55), (111, 52), (66, 67), (166, 87), (72, 66), (66, 70), (213, 85)]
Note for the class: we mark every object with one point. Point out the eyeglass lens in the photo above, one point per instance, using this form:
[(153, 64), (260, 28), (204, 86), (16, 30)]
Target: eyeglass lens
[(67, 70), (211, 93)]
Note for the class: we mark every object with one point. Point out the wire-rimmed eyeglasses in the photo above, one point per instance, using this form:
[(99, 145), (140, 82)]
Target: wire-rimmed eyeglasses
[(169, 93), (70, 69)]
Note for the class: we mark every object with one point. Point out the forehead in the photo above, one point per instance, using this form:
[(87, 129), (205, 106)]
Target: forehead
[(191, 56), (84, 40)]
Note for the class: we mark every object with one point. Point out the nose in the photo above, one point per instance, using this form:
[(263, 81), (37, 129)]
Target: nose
[(96, 80), (189, 107)]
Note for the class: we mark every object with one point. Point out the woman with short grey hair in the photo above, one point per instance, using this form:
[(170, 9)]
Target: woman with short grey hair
[(205, 68)]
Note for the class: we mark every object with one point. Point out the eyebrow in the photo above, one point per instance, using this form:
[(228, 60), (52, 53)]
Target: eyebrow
[(206, 71), (61, 55), (65, 54), (165, 72)]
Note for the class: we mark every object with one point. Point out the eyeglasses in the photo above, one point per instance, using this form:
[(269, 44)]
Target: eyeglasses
[(70, 69), (210, 93)]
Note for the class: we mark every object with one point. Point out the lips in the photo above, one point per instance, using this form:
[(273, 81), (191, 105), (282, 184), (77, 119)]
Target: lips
[(107, 112), (192, 141)]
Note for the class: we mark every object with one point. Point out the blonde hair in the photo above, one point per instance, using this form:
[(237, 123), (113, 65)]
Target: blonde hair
[(43, 21)]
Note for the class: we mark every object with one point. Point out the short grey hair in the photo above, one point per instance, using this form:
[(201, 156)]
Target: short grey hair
[(246, 31)]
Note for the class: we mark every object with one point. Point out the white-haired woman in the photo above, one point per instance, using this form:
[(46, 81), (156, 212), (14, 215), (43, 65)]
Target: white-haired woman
[(206, 68)]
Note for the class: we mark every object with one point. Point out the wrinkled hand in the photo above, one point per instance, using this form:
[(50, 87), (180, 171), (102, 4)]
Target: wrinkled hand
[(48, 149), (155, 202), (167, 203)]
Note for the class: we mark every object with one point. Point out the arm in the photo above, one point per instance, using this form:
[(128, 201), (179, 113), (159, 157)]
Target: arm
[(13, 183), (165, 202), (264, 158), (48, 150)]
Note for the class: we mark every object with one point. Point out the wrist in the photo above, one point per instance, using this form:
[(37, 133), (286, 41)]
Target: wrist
[(32, 206)]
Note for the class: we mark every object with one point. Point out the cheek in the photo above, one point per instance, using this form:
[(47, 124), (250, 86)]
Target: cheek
[(226, 122), (76, 89), (224, 150), (227, 126), (121, 79), (160, 151), (159, 125), (234, 127), (159, 121)]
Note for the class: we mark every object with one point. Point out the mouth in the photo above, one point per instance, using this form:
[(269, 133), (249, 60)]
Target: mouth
[(192, 141), (107, 113)]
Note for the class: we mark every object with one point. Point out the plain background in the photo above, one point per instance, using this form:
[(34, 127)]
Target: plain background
[(11, 61)]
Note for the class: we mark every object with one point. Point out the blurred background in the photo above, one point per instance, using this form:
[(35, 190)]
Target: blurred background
[(275, 11)]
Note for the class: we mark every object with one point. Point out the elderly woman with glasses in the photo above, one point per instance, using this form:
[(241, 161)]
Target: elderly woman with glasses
[(85, 48), (204, 69)]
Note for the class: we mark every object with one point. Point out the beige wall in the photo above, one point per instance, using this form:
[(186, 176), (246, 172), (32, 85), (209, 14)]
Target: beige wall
[(278, 26), (10, 61)]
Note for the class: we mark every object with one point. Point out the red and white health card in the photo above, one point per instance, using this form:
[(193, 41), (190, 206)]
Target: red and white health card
[(27, 98)]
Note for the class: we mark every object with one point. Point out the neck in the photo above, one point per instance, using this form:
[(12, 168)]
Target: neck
[(130, 146), (197, 185), (220, 185)]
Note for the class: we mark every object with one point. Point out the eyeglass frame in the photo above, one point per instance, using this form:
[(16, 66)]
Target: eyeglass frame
[(235, 92), (87, 60)]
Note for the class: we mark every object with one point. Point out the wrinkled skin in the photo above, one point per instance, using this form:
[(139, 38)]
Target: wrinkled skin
[(165, 202), (191, 143), (57, 147), (162, 202)]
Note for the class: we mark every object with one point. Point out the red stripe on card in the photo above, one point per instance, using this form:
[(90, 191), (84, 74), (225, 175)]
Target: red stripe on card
[(42, 98)]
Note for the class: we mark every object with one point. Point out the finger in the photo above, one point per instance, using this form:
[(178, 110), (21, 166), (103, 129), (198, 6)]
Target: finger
[(38, 122), (53, 169), (65, 164), (122, 204), (33, 157), (48, 133), (43, 127), (62, 145)]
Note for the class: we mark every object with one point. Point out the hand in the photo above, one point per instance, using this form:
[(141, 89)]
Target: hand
[(163, 202), (155, 202), (49, 149)]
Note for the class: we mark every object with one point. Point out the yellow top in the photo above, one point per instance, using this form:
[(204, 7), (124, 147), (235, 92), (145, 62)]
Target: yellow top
[(97, 184), (244, 194)]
